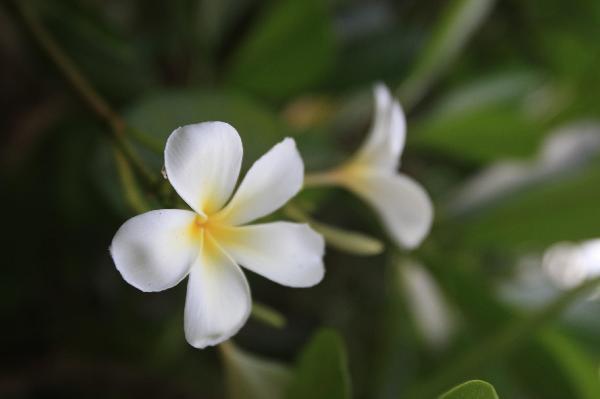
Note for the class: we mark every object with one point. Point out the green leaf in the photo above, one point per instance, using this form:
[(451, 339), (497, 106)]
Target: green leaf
[(460, 20), (486, 119), (563, 209), (471, 390), (158, 114), (322, 371), (116, 66), (251, 377), (574, 363), (291, 48)]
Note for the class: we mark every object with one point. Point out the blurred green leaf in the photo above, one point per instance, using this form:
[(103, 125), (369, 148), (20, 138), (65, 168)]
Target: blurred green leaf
[(322, 371), (505, 334), (563, 209), (117, 67), (575, 364), (485, 120), (251, 377), (290, 48), (459, 21), (158, 114), (471, 390)]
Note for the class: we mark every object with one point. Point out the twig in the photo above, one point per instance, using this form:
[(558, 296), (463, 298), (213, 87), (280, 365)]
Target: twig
[(130, 189), (84, 89)]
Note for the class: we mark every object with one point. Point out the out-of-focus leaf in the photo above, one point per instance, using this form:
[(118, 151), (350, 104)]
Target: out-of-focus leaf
[(471, 390), (566, 44), (458, 23), (505, 335), (576, 366), (291, 48), (487, 119), (564, 209), (567, 40), (251, 377), (322, 372), (563, 152), (97, 45), (157, 115), (382, 56)]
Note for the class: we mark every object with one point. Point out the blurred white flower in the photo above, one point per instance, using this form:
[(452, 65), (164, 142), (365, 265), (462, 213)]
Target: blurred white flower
[(372, 173), (252, 377), (569, 264), (430, 310), (156, 250)]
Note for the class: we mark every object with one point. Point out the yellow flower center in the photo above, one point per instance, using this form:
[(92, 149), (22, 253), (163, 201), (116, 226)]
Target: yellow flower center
[(207, 233)]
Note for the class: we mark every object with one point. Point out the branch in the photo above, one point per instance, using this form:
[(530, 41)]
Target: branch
[(83, 88)]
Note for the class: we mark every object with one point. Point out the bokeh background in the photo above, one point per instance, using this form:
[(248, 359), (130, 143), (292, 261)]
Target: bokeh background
[(503, 106)]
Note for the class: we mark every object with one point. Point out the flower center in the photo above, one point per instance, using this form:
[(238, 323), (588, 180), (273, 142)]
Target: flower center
[(207, 233), (202, 226), (196, 228)]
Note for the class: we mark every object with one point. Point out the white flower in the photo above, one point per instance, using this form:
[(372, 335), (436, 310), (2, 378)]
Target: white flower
[(569, 264), (156, 250), (402, 204)]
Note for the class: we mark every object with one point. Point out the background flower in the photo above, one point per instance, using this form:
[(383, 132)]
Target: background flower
[(401, 203)]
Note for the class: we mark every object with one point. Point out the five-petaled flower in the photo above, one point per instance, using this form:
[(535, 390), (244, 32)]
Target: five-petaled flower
[(156, 250), (372, 173)]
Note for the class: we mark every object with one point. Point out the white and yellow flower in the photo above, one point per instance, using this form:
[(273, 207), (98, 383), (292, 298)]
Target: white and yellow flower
[(372, 173), (158, 249)]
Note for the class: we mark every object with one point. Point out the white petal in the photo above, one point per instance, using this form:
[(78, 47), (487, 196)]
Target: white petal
[(425, 300), (384, 143), (154, 251), (203, 163), (402, 204), (271, 182), (218, 298), (290, 254)]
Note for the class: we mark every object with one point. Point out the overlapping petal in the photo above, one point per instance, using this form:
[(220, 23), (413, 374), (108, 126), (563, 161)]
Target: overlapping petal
[(290, 254), (385, 141), (203, 163), (271, 182), (402, 204), (218, 297), (153, 251)]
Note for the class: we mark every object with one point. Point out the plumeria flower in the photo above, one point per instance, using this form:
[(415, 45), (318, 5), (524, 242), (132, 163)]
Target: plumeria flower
[(372, 173), (158, 249)]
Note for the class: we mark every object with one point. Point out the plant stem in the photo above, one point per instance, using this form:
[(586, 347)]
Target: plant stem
[(268, 315), (501, 343), (132, 193), (320, 179), (84, 89)]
